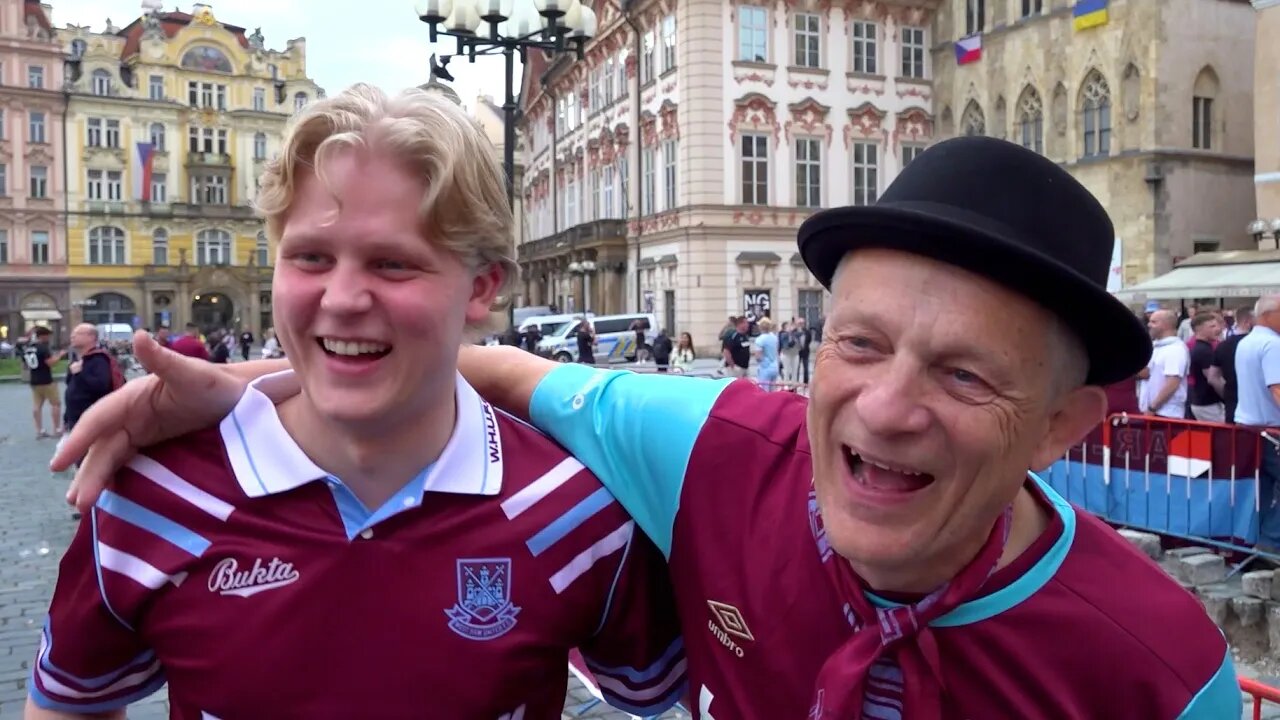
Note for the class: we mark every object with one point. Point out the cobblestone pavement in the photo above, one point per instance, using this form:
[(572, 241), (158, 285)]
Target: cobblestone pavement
[(35, 528)]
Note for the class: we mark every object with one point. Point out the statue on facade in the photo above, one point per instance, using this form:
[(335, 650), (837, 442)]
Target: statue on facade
[(256, 40)]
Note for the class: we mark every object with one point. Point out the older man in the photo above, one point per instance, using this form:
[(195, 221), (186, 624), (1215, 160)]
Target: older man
[(90, 377), (1257, 364), (882, 551)]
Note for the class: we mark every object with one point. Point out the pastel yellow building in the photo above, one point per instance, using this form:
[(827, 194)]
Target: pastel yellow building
[(170, 121)]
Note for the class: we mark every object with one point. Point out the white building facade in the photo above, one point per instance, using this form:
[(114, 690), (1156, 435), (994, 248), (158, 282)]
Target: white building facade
[(670, 170)]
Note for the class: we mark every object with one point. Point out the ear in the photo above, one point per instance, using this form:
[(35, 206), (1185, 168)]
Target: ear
[(1078, 412), (484, 291)]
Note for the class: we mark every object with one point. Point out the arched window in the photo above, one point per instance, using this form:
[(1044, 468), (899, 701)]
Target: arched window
[(208, 59), (1031, 120), (106, 246), (973, 121), (260, 146), (101, 82), (213, 247), (299, 101), (77, 49), (160, 247), (1203, 93), (262, 250), (157, 136), (1095, 115)]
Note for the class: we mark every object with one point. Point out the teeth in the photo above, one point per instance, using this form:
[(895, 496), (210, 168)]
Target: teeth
[(882, 466), (344, 347)]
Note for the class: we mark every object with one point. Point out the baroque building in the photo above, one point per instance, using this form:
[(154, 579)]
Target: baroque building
[(1148, 103), (669, 171), (171, 119), (33, 286)]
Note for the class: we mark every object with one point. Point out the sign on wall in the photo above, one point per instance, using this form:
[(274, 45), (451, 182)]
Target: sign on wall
[(757, 304)]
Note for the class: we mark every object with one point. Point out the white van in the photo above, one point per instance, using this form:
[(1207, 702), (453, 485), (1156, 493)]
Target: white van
[(615, 340), (548, 323), (115, 332)]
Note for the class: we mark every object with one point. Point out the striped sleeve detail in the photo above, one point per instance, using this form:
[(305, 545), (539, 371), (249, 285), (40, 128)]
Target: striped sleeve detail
[(53, 688), (644, 691)]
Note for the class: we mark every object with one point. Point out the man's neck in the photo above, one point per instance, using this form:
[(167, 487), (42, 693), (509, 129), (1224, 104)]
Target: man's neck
[(374, 459), (1030, 520)]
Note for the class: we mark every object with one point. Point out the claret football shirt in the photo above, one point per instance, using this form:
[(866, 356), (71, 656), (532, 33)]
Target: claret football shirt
[(718, 473), (228, 565)]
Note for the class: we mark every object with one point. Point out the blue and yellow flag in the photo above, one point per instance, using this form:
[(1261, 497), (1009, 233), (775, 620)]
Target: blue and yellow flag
[(1089, 13)]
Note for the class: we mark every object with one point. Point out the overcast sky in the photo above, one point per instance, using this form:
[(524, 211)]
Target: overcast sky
[(348, 41)]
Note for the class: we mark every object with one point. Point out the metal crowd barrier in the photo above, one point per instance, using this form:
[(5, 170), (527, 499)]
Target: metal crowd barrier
[(1259, 693), (1185, 479)]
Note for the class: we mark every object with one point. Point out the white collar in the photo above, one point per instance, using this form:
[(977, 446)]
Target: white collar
[(266, 460)]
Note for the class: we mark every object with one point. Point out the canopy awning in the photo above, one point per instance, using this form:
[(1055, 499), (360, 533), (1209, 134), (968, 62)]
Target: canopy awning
[(1195, 280), (41, 315)]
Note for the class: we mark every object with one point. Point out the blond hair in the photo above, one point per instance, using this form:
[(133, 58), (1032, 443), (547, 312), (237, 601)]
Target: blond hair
[(465, 209), (765, 324)]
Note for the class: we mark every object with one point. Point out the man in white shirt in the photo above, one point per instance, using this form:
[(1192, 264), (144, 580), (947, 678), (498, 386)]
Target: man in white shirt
[(1165, 393)]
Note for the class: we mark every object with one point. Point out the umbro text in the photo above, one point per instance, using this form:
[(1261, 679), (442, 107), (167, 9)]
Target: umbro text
[(724, 638)]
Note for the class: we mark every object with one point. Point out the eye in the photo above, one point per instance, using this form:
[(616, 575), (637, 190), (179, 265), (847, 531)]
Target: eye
[(309, 260), (391, 265), (965, 377)]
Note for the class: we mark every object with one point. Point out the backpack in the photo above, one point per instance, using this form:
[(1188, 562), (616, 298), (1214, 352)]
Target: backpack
[(117, 375)]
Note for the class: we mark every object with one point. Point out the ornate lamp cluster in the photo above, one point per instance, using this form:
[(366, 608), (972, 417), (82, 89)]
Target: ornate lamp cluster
[(555, 25)]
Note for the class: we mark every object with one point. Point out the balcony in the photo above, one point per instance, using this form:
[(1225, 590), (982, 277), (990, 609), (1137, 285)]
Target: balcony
[(208, 159), (594, 234), (105, 207), (224, 212)]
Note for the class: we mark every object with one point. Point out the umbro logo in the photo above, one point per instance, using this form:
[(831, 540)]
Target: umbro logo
[(727, 623), (228, 579)]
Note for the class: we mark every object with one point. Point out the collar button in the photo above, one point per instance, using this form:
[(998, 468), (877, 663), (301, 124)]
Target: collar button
[(366, 533)]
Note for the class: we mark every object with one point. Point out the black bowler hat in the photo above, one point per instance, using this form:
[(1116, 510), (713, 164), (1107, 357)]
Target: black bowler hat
[(1002, 211)]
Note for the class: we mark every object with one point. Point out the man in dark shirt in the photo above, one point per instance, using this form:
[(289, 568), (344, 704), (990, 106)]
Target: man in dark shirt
[(586, 343), (246, 342), (89, 377), (736, 348), (1222, 375), (189, 343), (39, 361), (1202, 398), (662, 350)]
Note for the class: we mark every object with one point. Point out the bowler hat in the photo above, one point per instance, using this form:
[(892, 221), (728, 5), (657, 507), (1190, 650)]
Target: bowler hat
[(1004, 212)]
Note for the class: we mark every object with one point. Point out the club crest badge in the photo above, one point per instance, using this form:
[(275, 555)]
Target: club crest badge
[(484, 610)]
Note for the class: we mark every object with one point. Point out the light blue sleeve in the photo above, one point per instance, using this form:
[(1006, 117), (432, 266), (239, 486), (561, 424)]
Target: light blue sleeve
[(1219, 699), (635, 432)]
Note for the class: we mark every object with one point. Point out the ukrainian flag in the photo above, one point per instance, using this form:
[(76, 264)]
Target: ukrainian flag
[(1089, 13)]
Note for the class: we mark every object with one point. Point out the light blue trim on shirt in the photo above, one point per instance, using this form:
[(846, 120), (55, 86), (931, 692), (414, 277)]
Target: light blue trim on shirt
[(641, 675), (1025, 586), (93, 683), (356, 518), (566, 523), (162, 527), (47, 703), (635, 432), (1220, 698), (97, 571)]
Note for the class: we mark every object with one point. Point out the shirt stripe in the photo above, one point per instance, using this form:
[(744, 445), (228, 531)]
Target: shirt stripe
[(607, 545), (568, 522), (132, 566), (542, 487), (165, 478), (645, 695), (46, 649), (643, 675), (154, 523)]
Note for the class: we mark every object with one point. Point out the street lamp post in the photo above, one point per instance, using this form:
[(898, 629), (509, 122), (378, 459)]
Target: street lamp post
[(514, 27)]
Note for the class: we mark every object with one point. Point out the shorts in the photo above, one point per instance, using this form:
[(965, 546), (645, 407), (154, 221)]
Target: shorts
[(40, 394)]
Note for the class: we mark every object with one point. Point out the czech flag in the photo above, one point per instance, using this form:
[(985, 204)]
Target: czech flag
[(142, 160), (1089, 13), (969, 49)]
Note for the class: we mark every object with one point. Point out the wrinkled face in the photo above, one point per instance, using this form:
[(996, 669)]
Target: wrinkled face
[(371, 313), (931, 399), (83, 337)]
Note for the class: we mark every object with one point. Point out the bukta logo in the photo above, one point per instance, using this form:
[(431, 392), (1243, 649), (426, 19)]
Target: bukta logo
[(228, 579)]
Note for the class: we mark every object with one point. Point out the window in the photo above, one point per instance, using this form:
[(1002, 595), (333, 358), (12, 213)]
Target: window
[(207, 95), (620, 77), (606, 199), (259, 99), (646, 59), (975, 12), (753, 33), (111, 138), (669, 155), (35, 76), (101, 82), (910, 152), (1031, 121), (594, 179), (155, 87), (1032, 7), (299, 101), (207, 140), (95, 183), (159, 188), (4, 180), (160, 247), (213, 247), (1203, 246), (808, 39), (755, 169), (1202, 123), (669, 310), (262, 250), (810, 307), (209, 189), (808, 172), (39, 181), (595, 98), (114, 185), (4, 246), (562, 111), (39, 247), (35, 127), (648, 181), (157, 136), (668, 43), (106, 246), (624, 184), (105, 184), (864, 47), (1095, 110), (913, 52), (571, 203), (608, 81), (866, 173), (973, 121), (3, 134), (260, 146), (93, 132)]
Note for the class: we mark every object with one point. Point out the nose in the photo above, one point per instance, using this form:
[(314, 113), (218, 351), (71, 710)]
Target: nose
[(346, 290), (891, 403)]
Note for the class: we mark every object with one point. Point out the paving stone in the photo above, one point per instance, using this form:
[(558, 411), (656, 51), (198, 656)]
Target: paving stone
[(1147, 543), (1258, 583), (1203, 569)]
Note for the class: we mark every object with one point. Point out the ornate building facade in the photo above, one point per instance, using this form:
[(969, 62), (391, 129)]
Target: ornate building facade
[(170, 122), (1266, 127), (33, 285), (1151, 109), (670, 170)]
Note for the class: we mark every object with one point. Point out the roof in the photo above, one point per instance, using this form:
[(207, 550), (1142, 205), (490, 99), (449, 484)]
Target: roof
[(1238, 274), (32, 9), (170, 22)]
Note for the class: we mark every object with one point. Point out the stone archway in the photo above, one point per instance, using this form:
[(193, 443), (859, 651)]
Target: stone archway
[(213, 311), (109, 308)]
